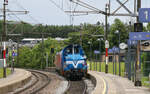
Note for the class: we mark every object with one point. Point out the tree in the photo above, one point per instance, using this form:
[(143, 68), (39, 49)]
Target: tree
[(86, 34), (114, 38), (148, 27), (36, 57)]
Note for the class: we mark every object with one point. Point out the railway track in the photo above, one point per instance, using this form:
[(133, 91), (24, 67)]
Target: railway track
[(40, 80), (76, 87)]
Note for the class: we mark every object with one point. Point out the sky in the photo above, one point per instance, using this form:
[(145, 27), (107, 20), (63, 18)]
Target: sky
[(46, 12)]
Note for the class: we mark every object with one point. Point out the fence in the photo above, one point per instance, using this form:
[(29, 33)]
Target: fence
[(1, 63)]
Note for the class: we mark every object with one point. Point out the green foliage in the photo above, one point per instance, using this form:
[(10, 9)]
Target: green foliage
[(7, 70), (33, 57), (110, 67), (34, 31), (86, 37), (122, 28), (145, 63), (1, 28), (36, 57), (148, 27)]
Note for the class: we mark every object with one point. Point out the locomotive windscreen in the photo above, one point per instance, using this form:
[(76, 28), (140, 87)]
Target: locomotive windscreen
[(74, 49)]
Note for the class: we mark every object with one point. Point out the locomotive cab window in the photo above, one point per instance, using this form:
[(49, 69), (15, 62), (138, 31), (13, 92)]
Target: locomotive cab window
[(76, 50), (68, 51)]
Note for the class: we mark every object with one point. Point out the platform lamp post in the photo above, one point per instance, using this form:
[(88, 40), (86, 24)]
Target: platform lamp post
[(90, 55), (118, 32)]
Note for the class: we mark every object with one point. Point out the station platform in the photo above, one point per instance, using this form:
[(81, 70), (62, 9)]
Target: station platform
[(17, 79), (112, 84)]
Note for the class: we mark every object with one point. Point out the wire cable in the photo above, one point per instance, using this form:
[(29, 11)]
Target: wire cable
[(31, 17), (59, 7)]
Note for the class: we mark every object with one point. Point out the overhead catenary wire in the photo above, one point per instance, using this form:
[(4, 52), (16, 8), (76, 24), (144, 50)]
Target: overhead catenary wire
[(59, 7), (32, 18), (18, 18), (21, 22), (94, 8), (15, 26), (85, 5), (62, 9)]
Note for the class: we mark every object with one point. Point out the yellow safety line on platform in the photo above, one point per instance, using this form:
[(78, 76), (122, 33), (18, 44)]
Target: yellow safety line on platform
[(104, 91)]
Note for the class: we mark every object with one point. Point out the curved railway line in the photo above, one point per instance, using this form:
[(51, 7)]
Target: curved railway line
[(40, 81)]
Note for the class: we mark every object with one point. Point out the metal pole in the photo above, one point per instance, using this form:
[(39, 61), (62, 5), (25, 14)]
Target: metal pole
[(134, 6), (129, 64), (4, 34), (81, 35), (46, 59), (90, 56), (106, 57), (52, 60), (106, 67), (115, 65), (109, 6), (129, 59), (113, 62), (96, 62), (100, 55), (13, 59), (119, 56), (137, 68), (17, 51), (42, 51)]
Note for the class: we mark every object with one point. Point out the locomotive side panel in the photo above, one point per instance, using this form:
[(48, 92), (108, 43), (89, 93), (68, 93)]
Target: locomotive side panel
[(58, 61)]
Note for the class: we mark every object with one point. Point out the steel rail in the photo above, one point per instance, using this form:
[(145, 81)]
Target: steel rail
[(18, 92), (40, 88), (68, 86), (35, 73), (85, 88)]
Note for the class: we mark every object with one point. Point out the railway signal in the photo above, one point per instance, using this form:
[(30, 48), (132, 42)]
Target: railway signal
[(52, 50), (4, 59), (106, 57), (138, 27)]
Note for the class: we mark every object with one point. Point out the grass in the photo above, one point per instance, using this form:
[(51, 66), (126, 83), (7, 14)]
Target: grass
[(110, 67), (1, 72), (145, 81)]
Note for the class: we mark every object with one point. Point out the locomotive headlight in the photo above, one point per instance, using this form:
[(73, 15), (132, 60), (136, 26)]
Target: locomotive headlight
[(81, 62), (65, 65), (84, 57), (67, 57), (69, 62)]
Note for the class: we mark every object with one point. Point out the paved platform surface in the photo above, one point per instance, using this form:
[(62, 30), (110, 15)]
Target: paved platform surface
[(111, 84), (15, 80)]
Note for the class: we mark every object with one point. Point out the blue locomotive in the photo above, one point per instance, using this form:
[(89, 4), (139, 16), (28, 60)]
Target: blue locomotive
[(71, 62)]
